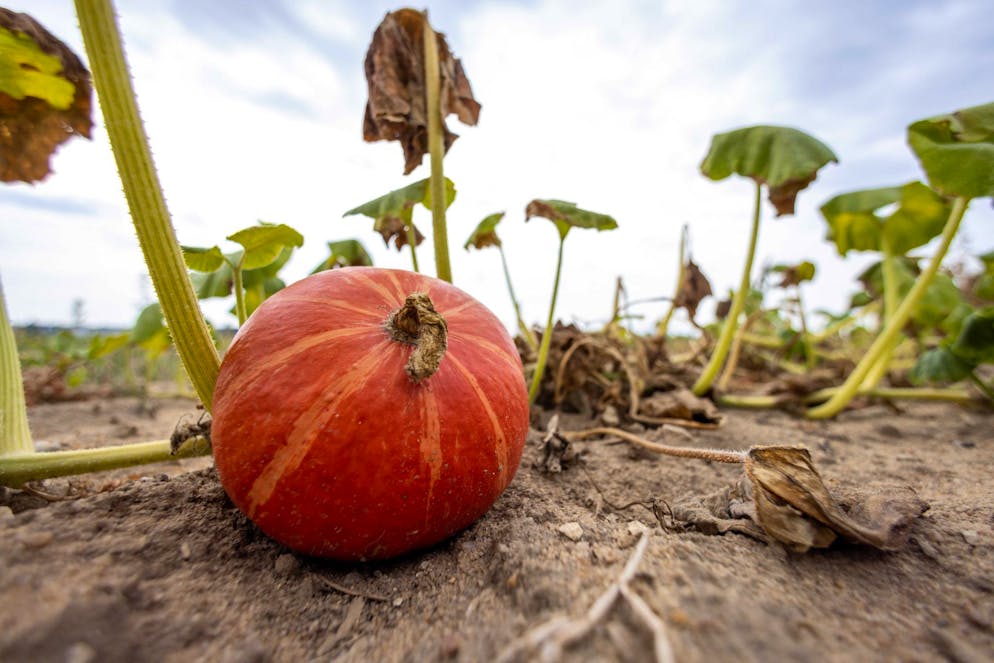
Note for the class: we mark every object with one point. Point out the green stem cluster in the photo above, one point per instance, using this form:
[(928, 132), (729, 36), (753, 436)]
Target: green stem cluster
[(543, 350), (884, 341), (738, 304)]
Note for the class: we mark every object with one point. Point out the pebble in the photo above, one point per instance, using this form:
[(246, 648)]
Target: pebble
[(399, 601), (80, 652), (637, 527), (47, 445), (185, 552), (286, 565), (971, 536), (571, 531), (36, 539), (6, 513)]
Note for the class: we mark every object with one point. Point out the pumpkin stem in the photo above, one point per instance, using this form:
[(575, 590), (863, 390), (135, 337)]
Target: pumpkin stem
[(419, 324)]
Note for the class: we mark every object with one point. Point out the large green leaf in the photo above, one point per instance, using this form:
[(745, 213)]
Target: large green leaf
[(855, 221), (957, 151), (28, 71), (345, 253), (265, 243), (784, 159), (485, 233), (567, 215)]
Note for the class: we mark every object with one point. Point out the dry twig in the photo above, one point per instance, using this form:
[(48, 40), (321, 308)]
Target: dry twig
[(552, 637)]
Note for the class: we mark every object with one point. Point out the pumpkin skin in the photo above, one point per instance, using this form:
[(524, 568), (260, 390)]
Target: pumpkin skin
[(323, 440)]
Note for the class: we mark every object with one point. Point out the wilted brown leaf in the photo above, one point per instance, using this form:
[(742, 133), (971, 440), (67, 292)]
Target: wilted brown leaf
[(396, 109), (784, 196), (694, 287), (30, 128), (394, 228), (794, 506)]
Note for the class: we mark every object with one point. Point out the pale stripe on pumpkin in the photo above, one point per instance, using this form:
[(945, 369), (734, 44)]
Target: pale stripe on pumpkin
[(389, 298), (265, 367), (501, 446), (308, 426), (431, 443), (373, 312)]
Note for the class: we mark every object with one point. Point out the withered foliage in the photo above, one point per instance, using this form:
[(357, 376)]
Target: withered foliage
[(31, 129), (590, 373), (393, 228), (694, 287), (784, 197), (784, 498), (395, 75)]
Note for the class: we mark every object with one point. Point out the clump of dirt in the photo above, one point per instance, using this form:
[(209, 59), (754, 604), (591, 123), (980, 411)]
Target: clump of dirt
[(163, 567)]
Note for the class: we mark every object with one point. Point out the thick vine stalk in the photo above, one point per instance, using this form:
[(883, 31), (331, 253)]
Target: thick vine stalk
[(15, 436), (146, 202), (436, 151)]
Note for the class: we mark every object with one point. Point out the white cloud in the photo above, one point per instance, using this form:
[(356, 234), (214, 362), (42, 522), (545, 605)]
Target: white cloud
[(610, 105)]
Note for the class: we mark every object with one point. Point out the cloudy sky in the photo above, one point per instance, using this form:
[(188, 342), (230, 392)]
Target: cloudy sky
[(254, 112)]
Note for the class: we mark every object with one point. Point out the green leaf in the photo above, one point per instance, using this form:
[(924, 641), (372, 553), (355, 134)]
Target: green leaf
[(939, 365), (450, 194), (202, 259), (956, 151), (393, 204), (485, 233), (259, 292), (920, 217), (940, 300), (149, 323), (215, 284), (103, 346), (984, 287), (860, 299), (567, 215), (265, 243), (345, 253), (252, 276), (855, 222), (975, 342), (784, 159), (28, 71)]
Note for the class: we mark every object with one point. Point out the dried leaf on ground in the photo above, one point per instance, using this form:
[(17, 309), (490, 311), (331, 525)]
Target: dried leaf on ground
[(32, 127), (794, 506), (680, 404), (395, 76)]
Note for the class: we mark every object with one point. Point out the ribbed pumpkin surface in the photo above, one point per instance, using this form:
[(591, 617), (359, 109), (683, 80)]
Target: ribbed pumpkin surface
[(323, 440)]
